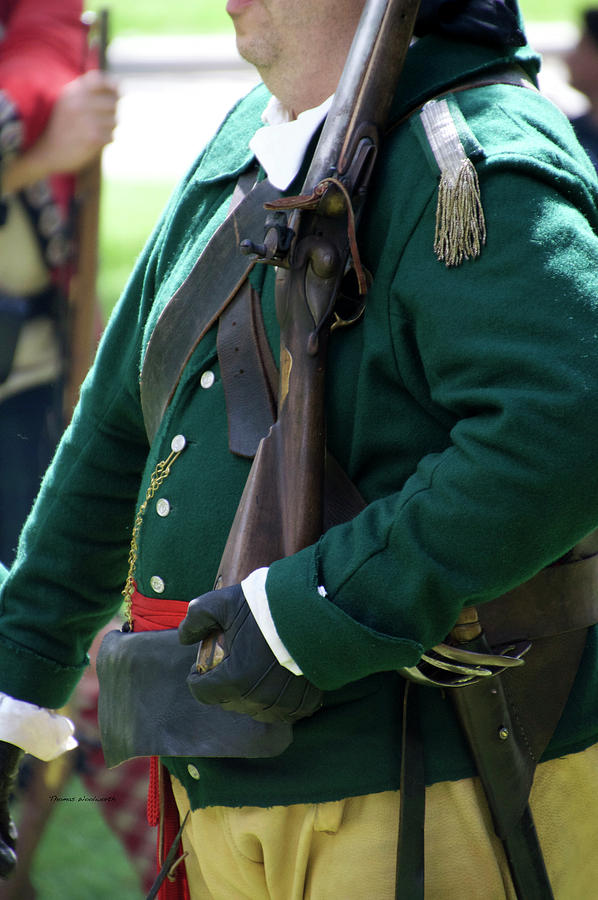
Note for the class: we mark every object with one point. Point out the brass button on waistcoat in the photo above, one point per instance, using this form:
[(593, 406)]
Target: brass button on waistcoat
[(163, 507), (193, 771), (207, 379), (179, 442), (157, 584)]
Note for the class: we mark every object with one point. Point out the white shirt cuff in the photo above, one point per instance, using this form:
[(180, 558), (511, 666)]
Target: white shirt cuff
[(40, 732), (254, 588)]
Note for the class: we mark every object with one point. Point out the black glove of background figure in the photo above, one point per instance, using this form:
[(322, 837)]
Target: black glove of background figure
[(9, 764), (250, 679)]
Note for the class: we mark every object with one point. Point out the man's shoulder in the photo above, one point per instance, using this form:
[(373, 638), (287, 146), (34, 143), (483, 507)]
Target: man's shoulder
[(506, 126)]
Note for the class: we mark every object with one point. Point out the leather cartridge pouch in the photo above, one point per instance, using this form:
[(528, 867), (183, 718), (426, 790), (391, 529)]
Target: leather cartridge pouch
[(145, 708)]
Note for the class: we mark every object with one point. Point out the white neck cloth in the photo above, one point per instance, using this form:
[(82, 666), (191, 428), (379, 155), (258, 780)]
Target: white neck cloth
[(281, 144)]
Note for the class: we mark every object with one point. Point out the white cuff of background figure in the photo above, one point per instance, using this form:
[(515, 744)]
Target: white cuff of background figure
[(254, 588), (40, 732)]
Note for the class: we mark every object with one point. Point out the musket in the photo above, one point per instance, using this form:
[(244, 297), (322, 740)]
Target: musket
[(311, 240), (83, 301)]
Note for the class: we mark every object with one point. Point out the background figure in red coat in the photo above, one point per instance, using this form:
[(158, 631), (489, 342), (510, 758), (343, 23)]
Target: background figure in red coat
[(54, 119), (56, 114)]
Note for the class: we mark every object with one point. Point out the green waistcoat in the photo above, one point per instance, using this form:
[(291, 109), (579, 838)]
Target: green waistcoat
[(463, 406)]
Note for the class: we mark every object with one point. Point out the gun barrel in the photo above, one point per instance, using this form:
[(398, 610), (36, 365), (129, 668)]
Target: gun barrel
[(367, 84)]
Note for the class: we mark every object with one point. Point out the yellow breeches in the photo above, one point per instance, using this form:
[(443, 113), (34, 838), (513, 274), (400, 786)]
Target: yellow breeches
[(346, 850)]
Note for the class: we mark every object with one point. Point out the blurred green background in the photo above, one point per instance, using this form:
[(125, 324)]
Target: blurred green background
[(192, 16), (158, 17), (79, 858)]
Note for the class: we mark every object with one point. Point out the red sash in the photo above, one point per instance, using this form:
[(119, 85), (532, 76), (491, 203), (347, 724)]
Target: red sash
[(155, 614)]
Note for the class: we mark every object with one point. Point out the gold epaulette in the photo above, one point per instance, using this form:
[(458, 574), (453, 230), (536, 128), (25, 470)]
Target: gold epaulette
[(460, 225)]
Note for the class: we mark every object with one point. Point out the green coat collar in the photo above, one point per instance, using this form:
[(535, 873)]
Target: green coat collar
[(228, 154)]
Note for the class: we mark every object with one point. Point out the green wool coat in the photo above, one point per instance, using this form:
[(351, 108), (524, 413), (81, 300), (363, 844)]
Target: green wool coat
[(464, 406)]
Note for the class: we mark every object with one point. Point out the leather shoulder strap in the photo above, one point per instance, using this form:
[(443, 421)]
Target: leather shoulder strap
[(248, 372), (210, 286)]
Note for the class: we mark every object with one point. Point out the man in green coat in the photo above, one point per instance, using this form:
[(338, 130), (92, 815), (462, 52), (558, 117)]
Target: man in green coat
[(463, 406)]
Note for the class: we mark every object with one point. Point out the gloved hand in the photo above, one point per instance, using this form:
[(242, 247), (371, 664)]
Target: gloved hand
[(249, 679), (9, 764)]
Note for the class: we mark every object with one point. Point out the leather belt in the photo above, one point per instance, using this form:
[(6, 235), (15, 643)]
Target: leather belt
[(558, 600)]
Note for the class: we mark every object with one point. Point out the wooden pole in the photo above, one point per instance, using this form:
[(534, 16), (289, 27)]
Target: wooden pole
[(83, 300)]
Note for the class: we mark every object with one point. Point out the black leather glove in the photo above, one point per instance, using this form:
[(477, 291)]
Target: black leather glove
[(249, 679), (9, 764)]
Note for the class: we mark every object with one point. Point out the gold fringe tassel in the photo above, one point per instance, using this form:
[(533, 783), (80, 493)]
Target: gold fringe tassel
[(460, 224)]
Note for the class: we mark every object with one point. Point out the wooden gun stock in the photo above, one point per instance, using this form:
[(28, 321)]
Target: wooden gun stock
[(281, 509)]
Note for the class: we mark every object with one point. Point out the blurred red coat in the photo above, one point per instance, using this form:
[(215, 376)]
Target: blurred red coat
[(43, 46)]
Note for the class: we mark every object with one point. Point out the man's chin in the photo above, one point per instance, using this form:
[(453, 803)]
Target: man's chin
[(253, 50)]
